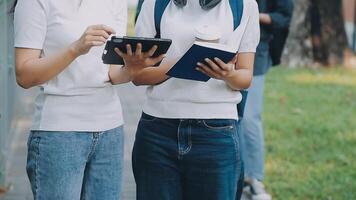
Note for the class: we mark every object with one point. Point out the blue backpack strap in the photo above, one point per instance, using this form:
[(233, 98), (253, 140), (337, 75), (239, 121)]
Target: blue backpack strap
[(242, 104), (237, 7), (138, 9), (160, 6)]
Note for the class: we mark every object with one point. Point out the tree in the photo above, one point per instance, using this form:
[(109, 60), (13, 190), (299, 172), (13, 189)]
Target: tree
[(298, 50)]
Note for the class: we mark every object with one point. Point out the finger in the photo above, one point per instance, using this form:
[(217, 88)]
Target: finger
[(96, 38), (95, 43), (138, 49), (106, 28), (234, 60), (223, 65), (208, 70), (215, 67), (120, 53), (99, 33), (152, 51), (158, 59), (129, 50), (210, 74)]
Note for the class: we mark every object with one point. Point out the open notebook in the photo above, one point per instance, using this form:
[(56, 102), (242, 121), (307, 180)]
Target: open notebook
[(185, 68)]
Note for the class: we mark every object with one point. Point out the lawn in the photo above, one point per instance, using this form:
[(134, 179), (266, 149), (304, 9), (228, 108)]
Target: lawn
[(310, 122)]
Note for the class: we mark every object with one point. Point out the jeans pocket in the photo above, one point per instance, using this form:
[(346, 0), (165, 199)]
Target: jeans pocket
[(219, 124), (147, 118)]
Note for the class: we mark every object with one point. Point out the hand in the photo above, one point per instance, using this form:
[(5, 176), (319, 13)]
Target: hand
[(95, 35), (218, 69), (265, 19), (135, 62)]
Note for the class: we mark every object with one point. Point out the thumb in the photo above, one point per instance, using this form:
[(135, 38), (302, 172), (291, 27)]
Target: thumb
[(234, 60)]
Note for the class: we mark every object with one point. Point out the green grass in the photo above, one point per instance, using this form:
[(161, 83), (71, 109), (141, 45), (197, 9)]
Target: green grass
[(310, 128)]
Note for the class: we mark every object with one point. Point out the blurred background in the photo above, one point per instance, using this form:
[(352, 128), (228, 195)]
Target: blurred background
[(309, 113)]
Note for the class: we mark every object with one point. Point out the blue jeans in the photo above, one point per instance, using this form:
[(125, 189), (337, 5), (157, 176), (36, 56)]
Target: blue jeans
[(252, 137), (75, 165), (186, 159)]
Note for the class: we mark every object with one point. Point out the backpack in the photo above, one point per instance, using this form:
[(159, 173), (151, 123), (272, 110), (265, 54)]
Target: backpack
[(237, 11)]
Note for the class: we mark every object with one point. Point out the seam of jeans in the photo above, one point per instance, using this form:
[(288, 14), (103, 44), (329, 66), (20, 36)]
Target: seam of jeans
[(178, 134), (37, 180), (236, 143), (229, 127), (95, 139), (189, 141)]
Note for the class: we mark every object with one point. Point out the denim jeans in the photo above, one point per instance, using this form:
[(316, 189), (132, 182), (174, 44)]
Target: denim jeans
[(187, 159), (75, 165), (252, 137)]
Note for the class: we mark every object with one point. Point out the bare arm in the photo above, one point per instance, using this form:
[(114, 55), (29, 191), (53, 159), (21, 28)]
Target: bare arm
[(32, 70), (242, 76), (154, 75)]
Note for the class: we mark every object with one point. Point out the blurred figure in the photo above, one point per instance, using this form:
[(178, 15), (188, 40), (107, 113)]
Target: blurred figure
[(274, 14), (349, 17), (349, 7), (319, 54)]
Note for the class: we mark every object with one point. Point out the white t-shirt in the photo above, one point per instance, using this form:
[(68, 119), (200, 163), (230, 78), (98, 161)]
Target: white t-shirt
[(178, 98), (81, 98)]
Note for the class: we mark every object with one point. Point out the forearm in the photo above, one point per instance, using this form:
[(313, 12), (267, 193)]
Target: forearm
[(35, 71), (150, 76), (242, 76), (119, 74), (154, 75), (240, 80)]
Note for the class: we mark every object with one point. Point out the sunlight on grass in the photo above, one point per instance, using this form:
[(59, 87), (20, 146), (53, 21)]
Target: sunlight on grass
[(310, 131), (326, 77)]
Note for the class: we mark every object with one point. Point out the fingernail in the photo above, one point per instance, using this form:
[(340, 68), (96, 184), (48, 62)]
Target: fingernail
[(206, 59)]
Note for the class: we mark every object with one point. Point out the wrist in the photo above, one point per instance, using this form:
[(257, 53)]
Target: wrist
[(130, 73), (73, 50)]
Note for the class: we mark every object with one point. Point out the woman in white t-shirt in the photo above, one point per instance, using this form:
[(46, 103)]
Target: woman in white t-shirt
[(187, 143), (75, 149)]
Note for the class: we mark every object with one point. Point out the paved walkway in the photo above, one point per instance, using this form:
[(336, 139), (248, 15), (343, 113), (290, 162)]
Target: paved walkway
[(132, 99)]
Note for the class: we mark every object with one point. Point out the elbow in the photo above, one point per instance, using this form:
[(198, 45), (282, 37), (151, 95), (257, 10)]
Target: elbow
[(23, 80), (137, 83), (23, 83)]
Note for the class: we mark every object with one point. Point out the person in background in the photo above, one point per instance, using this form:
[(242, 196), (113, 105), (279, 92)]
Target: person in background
[(349, 18), (274, 14), (314, 17)]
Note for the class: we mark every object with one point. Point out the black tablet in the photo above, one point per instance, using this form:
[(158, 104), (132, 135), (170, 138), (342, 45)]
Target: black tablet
[(111, 57)]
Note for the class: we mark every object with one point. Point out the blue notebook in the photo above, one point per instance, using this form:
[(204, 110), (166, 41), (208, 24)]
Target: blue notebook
[(185, 68)]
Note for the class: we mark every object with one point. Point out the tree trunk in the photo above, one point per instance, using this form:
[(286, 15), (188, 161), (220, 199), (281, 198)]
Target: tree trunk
[(298, 51)]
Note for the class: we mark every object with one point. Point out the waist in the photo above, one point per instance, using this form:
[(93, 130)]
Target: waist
[(97, 111), (189, 110)]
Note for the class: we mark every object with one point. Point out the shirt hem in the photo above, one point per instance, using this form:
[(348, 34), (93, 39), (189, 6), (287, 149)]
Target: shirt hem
[(188, 110), (78, 128)]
